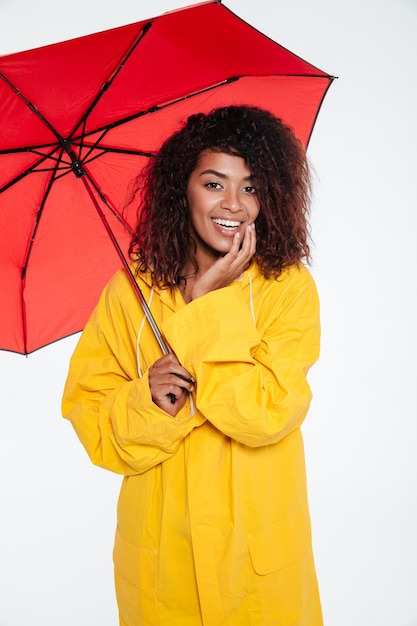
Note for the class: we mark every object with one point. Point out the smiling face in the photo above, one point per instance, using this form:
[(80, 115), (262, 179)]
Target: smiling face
[(222, 200)]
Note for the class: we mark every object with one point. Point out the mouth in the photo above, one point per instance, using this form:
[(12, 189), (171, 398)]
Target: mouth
[(229, 225)]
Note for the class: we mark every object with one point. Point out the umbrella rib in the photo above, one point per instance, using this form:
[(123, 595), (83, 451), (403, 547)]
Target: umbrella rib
[(158, 107), (33, 168), (37, 220), (27, 257), (107, 203), (105, 149), (85, 161), (111, 79), (32, 107), (35, 149), (64, 143), (67, 143), (80, 143)]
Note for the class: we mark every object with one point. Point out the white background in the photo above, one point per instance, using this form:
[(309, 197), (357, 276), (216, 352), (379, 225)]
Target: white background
[(58, 511)]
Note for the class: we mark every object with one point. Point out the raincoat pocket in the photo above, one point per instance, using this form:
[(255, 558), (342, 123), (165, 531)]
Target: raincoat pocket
[(136, 581), (279, 545)]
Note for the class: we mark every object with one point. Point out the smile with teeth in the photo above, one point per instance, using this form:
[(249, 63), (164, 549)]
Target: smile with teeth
[(227, 223)]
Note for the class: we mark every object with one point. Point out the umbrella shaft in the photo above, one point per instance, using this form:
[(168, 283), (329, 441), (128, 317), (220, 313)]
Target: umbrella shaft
[(141, 298)]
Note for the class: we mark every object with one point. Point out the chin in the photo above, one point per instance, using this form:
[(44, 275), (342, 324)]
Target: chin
[(223, 250)]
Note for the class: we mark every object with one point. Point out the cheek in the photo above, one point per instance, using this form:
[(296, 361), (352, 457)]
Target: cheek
[(193, 202), (199, 205), (195, 214), (255, 210)]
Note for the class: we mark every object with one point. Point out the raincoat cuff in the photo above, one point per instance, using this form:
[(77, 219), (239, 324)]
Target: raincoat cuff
[(142, 395)]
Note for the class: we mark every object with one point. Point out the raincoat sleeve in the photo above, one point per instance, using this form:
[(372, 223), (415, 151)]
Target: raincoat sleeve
[(109, 406), (251, 379)]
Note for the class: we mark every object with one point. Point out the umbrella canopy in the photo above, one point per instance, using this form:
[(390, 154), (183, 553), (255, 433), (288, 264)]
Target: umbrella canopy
[(79, 119)]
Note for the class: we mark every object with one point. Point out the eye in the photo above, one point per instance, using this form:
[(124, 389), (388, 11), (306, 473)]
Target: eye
[(212, 185), (249, 189)]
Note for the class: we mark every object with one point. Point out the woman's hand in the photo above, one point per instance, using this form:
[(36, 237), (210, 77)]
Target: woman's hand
[(229, 267), (169, 380)]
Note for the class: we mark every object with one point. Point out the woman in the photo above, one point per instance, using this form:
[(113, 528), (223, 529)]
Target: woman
[(213, 521)]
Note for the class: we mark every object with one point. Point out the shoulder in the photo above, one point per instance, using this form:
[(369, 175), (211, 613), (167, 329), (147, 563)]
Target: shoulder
[(298, 278), (292, 294), (294, 277), (296, 284), (118, 300), (120, 287)]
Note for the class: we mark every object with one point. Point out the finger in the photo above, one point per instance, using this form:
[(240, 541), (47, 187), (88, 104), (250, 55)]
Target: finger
[(170, 403), (162, 384), (170, 350), (174, 367), (166, 392), (184, 382), (169, 364), (188, 380), (252, 239), (170, 390), (235, 247), (248, 247), (161, 363)]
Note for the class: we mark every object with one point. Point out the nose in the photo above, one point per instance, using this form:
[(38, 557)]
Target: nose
[(231, 200)]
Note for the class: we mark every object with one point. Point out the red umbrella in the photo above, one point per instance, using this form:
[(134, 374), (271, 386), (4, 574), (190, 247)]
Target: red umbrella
[(78, 121)]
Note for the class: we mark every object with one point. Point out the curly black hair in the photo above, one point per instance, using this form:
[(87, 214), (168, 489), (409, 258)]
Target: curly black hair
[(277, 160)]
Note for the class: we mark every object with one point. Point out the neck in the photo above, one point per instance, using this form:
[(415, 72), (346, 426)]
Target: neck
[(185, 285)]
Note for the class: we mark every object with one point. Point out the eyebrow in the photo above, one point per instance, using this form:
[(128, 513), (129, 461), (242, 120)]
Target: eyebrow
[(221, 175)]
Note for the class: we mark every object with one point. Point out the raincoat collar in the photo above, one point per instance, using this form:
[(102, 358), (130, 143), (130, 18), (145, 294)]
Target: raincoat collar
[(175, 301)]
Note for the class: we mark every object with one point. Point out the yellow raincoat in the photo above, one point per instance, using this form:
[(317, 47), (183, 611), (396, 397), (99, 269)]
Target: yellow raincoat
[(213, 522)]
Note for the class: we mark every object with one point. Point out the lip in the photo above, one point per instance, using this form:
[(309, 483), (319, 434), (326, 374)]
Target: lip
[(225, 230)]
